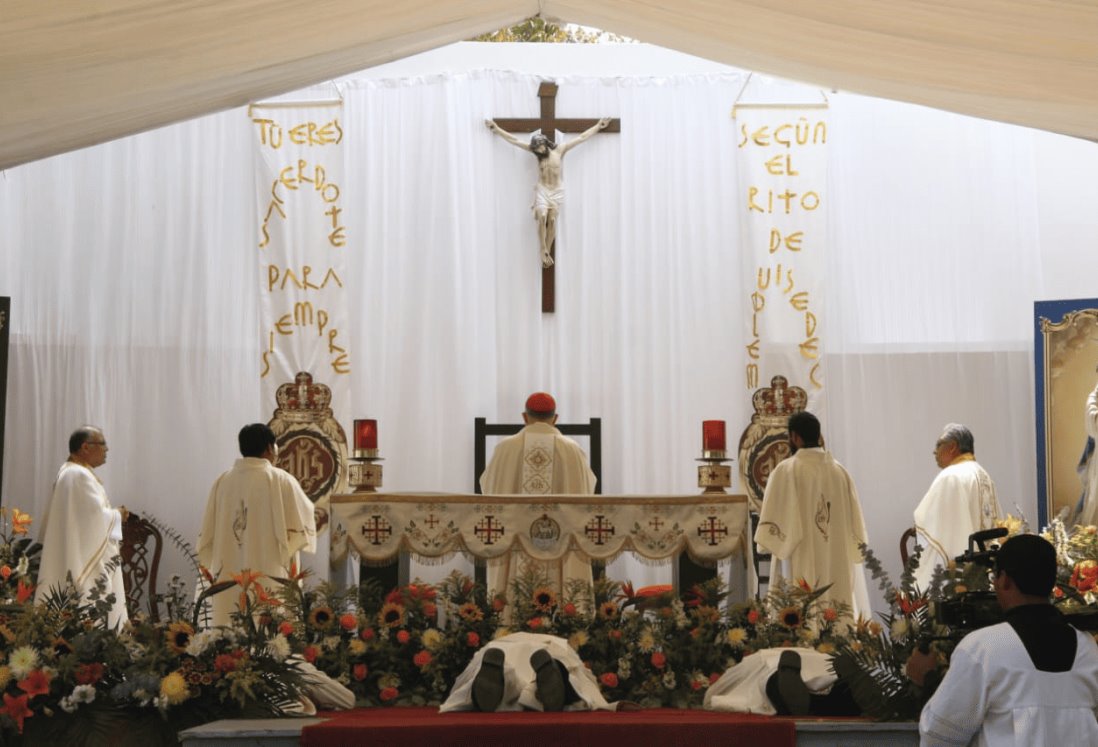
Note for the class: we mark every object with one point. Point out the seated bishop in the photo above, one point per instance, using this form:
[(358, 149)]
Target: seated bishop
[(538, 460)]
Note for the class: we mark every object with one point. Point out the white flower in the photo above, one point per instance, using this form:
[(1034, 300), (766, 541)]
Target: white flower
[(331, 643), (22, 660), (22, 566), (669, 680), (899, 628), (68, 705), (278, 648), (203, 640), (83, 693)]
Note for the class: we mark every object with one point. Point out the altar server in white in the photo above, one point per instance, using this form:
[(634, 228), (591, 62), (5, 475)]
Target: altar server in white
[(960, 501), (257, 519), (80, 530), (526, 671), (811, 520), (538, 460), (1031, 680)]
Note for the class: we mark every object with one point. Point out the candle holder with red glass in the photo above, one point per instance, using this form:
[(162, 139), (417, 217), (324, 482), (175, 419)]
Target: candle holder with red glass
[(715, 474), (364, 474)]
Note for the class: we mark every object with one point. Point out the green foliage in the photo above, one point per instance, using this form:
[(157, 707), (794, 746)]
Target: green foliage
[(538, 30)]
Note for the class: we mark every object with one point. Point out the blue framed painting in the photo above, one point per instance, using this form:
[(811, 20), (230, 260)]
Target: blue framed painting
[(1065, 353)]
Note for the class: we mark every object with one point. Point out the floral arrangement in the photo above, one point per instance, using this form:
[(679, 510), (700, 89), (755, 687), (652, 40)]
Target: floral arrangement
[(19, 557)]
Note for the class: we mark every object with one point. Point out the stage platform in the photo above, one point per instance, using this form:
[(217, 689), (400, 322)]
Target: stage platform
[(411, 726)]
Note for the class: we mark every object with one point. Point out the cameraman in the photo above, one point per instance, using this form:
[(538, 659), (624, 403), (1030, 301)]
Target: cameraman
[(1032, 680)]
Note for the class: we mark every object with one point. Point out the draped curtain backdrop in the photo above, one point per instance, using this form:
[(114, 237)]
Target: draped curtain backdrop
[(132, 272)]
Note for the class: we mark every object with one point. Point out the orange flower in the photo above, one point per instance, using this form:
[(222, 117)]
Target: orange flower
[(569, 610), (286, 628), (367, 634), (472, 639), (359, 671), (348, 621), (422, 659), (23, 592), (403, 636), (608, 679), (752, 616), (19, 521), (35, 683), (830, 614), (206, 573), (659, 661), (310, 653), (5, 572), (1084, 576), (429, 609), (246, 578), (387, 694), (534, 623), (17, 710), (803, 584)]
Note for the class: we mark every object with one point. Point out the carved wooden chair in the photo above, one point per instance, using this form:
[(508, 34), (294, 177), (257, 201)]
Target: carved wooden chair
[(908, 540), (483, 429), (141, 547)]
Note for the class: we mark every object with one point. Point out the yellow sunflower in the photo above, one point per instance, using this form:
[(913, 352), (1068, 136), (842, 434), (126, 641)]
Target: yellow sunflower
[(608, 611), (391, 615), (470, 613), (178, 636), (321, 617), (545, 599), (790, 617)]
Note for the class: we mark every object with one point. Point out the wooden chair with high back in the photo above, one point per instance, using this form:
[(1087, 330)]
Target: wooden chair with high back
[(140, 550)]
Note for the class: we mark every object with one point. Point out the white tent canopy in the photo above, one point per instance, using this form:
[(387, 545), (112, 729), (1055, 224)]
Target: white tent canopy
[(74, 74)]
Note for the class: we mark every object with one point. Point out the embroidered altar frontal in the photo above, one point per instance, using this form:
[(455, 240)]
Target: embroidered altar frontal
[(381, 525)]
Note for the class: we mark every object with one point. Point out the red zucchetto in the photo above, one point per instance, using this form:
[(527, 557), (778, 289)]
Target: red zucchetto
[(541, 403)]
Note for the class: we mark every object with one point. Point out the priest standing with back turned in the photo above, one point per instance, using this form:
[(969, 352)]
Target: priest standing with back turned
[(538, 460)]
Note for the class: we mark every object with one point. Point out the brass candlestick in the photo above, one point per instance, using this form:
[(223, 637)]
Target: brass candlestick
[(714, 474), (364, 474)]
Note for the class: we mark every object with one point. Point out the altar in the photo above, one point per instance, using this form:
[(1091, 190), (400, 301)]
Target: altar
[(705, 529)]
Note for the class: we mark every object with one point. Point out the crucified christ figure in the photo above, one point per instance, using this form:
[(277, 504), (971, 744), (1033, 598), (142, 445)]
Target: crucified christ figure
[(549, 191)]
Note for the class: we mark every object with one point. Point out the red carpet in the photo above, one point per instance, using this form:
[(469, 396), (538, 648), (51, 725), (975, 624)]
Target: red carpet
[(410, 727)]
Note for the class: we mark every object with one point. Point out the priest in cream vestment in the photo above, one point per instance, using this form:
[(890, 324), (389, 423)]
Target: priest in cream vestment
[(538, 460), (80, 530), (960, 501), (257, 518), (811, 520)]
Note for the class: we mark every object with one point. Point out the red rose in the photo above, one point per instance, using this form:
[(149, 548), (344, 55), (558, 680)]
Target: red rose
[(422, 659), (285, 628), (388, 693), (534, 623), (310, 653), (659, 661), (429, 592), (695, 685), (89, 674), (498, 604), (752, 616), (367, 634), (225, 663), (413, 591), (403, 636), (347, 621), (569, 610), (429, 609), (394, 597), (472, 639), (608, 679), (714, 677), (358, 671)]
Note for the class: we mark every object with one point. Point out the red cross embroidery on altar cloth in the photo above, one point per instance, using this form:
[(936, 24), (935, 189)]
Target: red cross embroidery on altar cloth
[(377, 530), (488, 530), (596, 529), (711, 529)]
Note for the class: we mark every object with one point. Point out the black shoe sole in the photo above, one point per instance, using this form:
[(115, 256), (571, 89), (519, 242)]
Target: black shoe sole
[(550, 684), (488, 684)]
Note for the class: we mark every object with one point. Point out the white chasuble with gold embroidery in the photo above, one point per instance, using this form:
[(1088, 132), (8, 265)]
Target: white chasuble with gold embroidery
[(538, 460), (811, 519)]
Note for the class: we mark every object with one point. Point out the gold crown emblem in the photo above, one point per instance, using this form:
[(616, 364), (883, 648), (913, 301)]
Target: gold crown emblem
[(778, 401), (302, 399)]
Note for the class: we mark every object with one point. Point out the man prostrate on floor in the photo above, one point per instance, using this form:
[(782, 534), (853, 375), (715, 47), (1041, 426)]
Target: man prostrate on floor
[(526, 671), (538, 460)]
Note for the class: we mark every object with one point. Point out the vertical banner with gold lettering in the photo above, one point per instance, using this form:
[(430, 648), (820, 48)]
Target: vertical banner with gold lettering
[(782, 165), (301, 246)]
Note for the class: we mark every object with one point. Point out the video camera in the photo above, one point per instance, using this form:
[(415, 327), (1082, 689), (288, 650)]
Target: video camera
[(974, 609)]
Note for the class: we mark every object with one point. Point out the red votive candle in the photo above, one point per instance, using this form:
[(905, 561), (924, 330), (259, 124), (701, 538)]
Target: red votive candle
[(366, 434), (712, 435)]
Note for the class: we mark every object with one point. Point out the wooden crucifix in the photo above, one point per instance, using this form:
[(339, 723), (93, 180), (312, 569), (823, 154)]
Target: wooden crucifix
[(549, 191)]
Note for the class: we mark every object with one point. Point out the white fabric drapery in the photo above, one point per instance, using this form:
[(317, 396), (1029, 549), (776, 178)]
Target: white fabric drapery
[(134, 294)]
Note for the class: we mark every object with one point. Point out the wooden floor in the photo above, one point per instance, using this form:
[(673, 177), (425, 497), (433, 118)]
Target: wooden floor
[(286, 733)]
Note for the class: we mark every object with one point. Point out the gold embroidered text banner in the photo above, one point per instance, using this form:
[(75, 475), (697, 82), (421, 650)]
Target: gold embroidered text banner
[(381, 525)]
